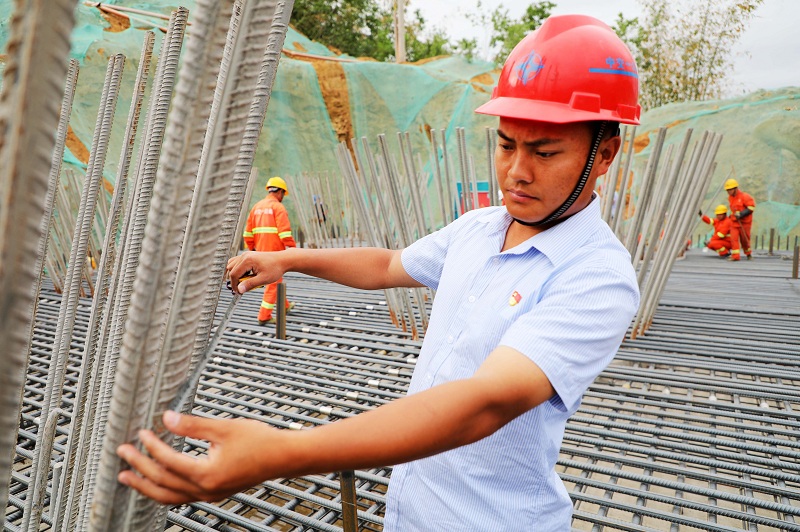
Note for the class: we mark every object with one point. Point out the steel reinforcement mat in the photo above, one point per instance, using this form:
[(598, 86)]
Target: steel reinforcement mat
[(694, 426)]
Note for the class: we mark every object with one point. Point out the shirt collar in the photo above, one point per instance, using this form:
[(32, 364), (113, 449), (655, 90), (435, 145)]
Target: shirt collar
[(556, 243)]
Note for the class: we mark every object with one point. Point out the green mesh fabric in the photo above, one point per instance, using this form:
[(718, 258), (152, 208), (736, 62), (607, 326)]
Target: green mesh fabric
[(315, 103), (761, 145)]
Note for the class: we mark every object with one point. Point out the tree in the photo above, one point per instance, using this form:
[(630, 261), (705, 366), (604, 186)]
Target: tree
[(683, 49), (422, 43), (355, 27), (506, 32), (363, 28)]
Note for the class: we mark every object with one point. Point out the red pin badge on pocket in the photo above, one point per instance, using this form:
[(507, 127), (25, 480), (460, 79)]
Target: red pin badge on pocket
[(515, 298)]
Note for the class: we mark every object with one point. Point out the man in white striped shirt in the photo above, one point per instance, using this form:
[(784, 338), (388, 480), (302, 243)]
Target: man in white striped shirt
[(532, 302)]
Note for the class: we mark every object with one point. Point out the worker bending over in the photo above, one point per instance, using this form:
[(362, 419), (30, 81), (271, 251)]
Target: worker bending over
[(721, 239)]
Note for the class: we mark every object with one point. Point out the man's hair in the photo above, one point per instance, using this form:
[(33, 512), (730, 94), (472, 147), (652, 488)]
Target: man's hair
[(612, 128)]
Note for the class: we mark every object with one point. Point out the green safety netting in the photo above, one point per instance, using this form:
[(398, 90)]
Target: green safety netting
[(316, 103), (760, 148)]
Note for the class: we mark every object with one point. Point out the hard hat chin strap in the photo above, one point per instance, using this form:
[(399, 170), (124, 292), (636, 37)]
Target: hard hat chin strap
[(587, 169)]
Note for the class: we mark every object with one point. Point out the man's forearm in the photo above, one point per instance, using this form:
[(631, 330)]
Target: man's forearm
[(420, 425), (364, 268)]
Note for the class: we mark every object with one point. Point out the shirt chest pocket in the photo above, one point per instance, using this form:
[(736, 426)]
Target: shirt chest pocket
[(490, 320)]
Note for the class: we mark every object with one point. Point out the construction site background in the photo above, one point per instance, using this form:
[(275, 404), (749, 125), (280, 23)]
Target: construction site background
[(317, 102)]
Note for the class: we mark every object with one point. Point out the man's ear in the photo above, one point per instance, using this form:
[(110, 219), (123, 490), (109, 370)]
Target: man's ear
[(606, 152)]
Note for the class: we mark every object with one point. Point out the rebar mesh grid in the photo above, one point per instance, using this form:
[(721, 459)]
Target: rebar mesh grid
[(693, 427)]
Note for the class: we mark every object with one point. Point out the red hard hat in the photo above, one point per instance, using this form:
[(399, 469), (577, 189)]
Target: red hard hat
[(573, 68)]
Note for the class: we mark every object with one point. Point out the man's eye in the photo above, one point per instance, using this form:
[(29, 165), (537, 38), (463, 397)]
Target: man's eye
[(545, 154), (505, 147)]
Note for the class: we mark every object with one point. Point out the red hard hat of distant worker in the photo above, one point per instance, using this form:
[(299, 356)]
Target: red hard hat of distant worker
[(573, 68)]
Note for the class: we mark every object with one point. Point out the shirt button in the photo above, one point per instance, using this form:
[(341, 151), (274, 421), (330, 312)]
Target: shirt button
[(496, 260), (472, 299), (449, 339)]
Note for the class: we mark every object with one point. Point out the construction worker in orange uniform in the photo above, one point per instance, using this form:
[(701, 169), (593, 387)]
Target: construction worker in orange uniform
[(268, 229), (721, 241), (742, 207)]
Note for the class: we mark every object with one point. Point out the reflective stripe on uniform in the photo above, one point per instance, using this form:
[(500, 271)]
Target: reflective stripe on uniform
[(285, 234), (265, 230), (247, 234), (268, 306)]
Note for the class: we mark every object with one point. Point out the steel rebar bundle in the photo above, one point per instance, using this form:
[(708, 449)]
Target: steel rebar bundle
[(33, 82)]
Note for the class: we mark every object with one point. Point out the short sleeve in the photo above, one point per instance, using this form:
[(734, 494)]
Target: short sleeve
[(576, 327), (424, 259)]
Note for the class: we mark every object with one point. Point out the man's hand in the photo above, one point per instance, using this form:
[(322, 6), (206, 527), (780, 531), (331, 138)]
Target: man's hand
[(700, 214), (265, 267), (231, 465), (736, 215)]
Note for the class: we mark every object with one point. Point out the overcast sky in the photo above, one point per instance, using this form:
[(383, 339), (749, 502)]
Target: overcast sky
[(767, 56)]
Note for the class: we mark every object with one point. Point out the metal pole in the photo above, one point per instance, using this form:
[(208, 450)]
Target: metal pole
[(771, 238), (280, 316), (400, 31), (349, 508), (795, 261)]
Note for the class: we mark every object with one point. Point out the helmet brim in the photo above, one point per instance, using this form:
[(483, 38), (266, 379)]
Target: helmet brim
[(556, 113)]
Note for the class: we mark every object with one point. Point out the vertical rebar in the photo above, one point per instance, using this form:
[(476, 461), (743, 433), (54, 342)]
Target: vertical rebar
[(280, 313), (33, 86), (347, 482), (771, 238), (83, 414), (619, 213), (69, 302)]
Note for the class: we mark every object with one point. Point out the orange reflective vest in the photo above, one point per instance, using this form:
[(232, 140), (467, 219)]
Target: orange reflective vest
[(740, 202), (268, 227), (722, 228)]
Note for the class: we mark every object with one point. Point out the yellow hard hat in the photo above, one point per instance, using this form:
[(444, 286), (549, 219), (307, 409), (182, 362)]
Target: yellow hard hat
[(731, 183), (277, 182), (721, 209)]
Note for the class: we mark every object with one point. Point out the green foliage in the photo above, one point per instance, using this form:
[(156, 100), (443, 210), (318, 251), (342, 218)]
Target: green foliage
[(355, 27), (683, 49), (506, 32), (362, 28), (419, 46)]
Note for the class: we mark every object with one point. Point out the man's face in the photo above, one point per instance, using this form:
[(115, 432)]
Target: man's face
[(722, 216), (732, 191), (539, 163)]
